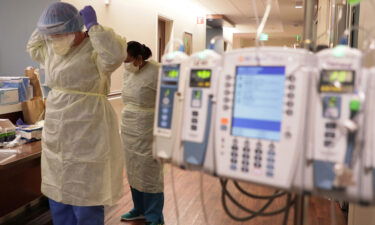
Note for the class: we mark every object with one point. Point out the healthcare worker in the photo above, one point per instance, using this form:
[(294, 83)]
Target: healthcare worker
[(82, 157), (145, 174)]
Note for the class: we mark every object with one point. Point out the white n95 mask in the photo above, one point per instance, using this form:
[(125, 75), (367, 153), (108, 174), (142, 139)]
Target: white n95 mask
[(62, 45), (131, 68)]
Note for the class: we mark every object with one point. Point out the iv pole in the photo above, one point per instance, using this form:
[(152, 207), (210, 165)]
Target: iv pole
[(308, 43), (308, 34)]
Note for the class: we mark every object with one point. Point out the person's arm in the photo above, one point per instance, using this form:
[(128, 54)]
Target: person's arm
[(154, 76), (110, 49), (36, 47)]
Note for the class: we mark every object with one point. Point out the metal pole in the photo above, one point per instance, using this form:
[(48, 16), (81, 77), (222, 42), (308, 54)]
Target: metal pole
[(309, 8), (299, 210)]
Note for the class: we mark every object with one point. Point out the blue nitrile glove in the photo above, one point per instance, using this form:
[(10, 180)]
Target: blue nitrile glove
[(89, 16)]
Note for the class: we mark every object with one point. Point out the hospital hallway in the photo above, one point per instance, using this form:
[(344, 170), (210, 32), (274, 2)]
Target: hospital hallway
[(189, 203), (187, 112)]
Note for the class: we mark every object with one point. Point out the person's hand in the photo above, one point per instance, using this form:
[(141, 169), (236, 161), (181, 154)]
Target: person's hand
[(89, 16)]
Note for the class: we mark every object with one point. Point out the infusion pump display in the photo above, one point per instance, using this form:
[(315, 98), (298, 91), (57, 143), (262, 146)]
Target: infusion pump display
[(258, 102), (337, 81), (261, 115), (200, 78)]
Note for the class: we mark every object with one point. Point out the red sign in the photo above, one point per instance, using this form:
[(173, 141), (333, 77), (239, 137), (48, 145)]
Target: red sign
[(200, 20)]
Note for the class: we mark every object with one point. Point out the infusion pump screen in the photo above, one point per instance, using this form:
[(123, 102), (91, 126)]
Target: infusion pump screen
[(171, 71), (258, 103), (339, 81), (200, 78)]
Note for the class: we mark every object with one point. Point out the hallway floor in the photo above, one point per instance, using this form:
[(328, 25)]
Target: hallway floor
[(189, 203)]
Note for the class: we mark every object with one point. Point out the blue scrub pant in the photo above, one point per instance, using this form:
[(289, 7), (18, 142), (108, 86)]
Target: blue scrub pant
[(149, 204), (63, 214)]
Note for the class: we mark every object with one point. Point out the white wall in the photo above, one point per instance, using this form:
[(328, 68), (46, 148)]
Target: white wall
[(18, 19), (323, 22), (367, 21), (228, 33), (138, 20)]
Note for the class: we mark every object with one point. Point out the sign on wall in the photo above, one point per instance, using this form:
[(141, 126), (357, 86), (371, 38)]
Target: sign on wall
[(200, 20)]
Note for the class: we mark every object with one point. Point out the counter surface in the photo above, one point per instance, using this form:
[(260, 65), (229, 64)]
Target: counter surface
[(23, 153)]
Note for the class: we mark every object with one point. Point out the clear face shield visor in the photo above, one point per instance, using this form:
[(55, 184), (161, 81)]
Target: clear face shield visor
[(60, 44)]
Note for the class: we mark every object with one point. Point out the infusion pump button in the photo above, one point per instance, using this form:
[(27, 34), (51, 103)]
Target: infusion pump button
[(223, 127), (327, 143), (330, 135), (288, 134), (166, 101), (292, 78), (331, 125)]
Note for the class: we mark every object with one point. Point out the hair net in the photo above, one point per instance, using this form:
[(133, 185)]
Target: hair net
[(60, 18)]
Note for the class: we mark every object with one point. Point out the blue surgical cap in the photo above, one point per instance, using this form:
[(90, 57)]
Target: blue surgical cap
[(60, 18)]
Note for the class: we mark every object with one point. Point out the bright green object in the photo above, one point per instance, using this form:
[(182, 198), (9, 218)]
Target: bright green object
[(339, 76), (173, 73), (354, 2), (263, 37), (339, 51), (204, 74), (132, 215), (198, 95), (167, 92), (355, 105)]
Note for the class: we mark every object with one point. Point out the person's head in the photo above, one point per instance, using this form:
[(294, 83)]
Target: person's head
[(137, 56), (62, 25)]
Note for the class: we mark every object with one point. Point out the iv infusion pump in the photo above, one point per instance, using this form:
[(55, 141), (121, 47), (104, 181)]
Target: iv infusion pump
[(335, 125), (169, 102), (273, 116), (262, 100), (199, 110)]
